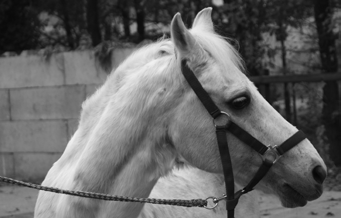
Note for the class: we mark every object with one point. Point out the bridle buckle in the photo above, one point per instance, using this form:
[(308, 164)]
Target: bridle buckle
[(271, 155)]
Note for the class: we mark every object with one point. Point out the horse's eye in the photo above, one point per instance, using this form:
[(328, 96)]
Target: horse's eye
[(240, 102)]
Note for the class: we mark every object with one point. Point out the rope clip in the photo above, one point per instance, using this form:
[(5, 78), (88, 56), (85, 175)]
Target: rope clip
[(214, 201)]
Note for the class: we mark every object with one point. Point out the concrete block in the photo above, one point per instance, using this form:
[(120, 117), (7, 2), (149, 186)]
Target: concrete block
[(33, 136), (90, 89), (7, 164), (47, 102), (4, 105), (80, 68), (119, 55), (33, 166), (72, 127), (31, 71)]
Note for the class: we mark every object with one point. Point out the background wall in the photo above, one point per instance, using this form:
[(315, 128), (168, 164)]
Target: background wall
[(40, 103)]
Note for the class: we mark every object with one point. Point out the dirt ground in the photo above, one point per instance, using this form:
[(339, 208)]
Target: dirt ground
[(18, 202)]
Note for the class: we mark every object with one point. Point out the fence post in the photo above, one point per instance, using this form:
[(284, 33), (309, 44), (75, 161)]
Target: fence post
[(287, 102)]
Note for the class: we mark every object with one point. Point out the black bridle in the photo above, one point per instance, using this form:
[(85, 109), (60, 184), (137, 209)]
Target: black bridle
[(223, 123)]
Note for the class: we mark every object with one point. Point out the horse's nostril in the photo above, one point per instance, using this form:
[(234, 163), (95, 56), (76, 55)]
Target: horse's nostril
[(319, 174)]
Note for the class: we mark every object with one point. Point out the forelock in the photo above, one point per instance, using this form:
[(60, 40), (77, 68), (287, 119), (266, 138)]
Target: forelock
[(219, 48)]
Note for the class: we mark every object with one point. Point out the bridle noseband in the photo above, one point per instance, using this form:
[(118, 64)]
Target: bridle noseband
[(223, 123)]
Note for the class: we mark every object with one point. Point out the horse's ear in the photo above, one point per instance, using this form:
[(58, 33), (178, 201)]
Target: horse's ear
[(204, 20), (183, 40)]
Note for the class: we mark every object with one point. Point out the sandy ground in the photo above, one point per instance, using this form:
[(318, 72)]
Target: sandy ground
[(18, 202), (328, 205)]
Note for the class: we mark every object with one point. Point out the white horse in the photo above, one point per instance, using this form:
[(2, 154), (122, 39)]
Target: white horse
[(146, 119)]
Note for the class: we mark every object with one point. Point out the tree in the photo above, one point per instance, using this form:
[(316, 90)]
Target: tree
[(124, 9), (140, 18), (19, 26), (93, 22), (69, 23), (285, 14), (331, 114), (247, 20), (67, 26)]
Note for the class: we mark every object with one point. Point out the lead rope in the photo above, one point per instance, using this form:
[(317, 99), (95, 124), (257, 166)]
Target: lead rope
[(105, 197)]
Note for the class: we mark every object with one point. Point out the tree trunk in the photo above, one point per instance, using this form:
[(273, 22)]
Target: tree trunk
[(107, 31), (140, 19), (93, 22), (281, 35), (331, 110), (67, 25), (286, 87), (124, 8)]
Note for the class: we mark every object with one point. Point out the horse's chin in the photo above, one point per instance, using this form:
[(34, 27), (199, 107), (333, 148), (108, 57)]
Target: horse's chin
[(291, 198)]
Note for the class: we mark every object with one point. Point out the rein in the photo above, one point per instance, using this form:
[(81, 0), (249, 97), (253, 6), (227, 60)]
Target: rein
[(223, 124)]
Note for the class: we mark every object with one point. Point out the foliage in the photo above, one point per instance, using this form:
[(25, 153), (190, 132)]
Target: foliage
[(19, 26), (248, 20), (67, 23), (64, 21)]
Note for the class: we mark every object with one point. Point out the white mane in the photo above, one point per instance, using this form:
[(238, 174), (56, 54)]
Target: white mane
[(219, 47)]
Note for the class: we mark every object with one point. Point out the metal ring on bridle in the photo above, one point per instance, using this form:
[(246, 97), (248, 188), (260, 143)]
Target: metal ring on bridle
[(214, 201), (222, 120), (271, 154)]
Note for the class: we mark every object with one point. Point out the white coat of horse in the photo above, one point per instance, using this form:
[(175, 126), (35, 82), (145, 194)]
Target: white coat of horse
[(145, 119)]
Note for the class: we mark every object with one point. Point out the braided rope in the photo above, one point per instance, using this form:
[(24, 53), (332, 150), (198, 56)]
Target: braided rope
[(174, 202)]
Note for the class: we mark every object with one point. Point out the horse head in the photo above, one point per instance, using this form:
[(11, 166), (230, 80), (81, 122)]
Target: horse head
[(296, 177)]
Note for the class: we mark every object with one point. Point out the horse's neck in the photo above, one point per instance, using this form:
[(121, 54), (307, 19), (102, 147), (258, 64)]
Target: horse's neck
[(124, 156), (131, 172)]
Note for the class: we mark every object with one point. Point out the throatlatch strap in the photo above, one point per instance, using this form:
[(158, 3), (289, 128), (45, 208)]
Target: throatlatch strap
[(227, 165), (192, 80), (291, 142)]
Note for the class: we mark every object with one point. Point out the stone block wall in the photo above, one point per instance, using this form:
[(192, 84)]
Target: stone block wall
[(40, 103)]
